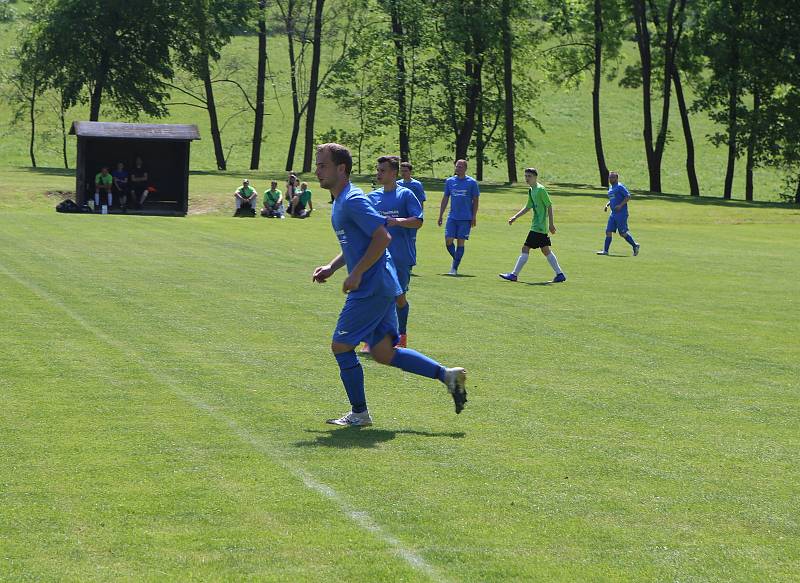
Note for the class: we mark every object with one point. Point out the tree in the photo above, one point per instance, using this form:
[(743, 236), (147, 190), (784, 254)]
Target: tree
[(591, 33), (258, 123), (117, 51), (205, 27)]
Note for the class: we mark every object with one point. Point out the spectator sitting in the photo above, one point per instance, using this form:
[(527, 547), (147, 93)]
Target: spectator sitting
[(103, 182), (138, 182), (273, 202), (121, 185), (300, 201), (245, 198)]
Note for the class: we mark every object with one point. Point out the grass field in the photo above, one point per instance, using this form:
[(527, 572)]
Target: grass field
[(164, 383)]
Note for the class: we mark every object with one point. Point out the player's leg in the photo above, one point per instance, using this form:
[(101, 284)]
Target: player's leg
[(610, 228), (455, 379), (524, 254), (551, 259), (450, 236), (403, 307), (626, 234)]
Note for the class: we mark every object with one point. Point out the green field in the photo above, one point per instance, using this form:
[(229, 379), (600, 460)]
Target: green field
[(163, 386)]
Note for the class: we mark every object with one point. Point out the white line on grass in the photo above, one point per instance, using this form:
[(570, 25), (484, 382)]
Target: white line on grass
[(360, 517)]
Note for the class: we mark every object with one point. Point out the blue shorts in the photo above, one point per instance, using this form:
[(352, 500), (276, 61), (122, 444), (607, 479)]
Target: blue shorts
[(454, 229), (403, 276), (617, 223), (367, 320)]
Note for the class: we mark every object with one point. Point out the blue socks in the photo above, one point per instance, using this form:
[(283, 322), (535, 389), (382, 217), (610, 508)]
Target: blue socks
[(630, 240), (451, 249), (402, 318), (607, 244), (353, 379), (417, 363), (457, 257)]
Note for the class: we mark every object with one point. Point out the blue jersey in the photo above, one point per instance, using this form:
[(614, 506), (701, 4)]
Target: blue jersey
[(399, 203), (616, 194), (120, 174), (416, 187), (461, 191), (354, 221)]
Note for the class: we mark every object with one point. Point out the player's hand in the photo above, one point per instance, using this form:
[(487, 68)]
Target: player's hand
[(391, 222), (552, 229), (605, 208), (618, 207), (439, 222), (322, 273), (351, 283), (474, 223), (511, 220)]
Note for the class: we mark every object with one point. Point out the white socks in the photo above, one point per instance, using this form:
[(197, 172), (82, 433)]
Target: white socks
[(551, 259), (521, 261)]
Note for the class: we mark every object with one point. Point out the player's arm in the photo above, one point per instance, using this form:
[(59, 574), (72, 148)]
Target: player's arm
[(550, 218), (377, 247), (623, 203), (442, 207), (474, 211), (323, 272), (518, 214), (413, 212), (405, 222)]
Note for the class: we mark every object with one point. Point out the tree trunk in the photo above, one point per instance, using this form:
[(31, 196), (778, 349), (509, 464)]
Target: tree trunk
[(63, 118), (258, 125), (97, 90), (313, 87), (669, 49), (643, 42), (751, 144), (32, 102), (296, 114), (400, 60), (598, 61), (212, 116), (479, 144), (733, 100), (508, 89), (797, 191), (691, 173)]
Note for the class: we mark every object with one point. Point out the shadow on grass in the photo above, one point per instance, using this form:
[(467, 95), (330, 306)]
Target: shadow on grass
[(456, 276), (646, 195), (52, 171), (366, 437)]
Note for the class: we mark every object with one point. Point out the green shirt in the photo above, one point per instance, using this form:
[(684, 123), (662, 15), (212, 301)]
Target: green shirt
[(538, 200), (271, 197), (245, 191), (305, 196), (100, 179)]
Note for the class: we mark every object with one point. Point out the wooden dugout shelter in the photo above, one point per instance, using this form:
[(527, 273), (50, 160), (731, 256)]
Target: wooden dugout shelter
[(164, 149)]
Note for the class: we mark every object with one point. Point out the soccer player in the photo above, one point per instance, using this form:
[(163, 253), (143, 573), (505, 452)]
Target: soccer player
[(618, 197), (412, 184), (121, 185), (539, 201), (139, 182), (273, 202), (245, 196), (463, 214), (371, 286), (102, 182), (403, 213)]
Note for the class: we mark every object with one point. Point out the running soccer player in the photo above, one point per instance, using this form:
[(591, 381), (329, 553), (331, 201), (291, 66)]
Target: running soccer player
[(539, 201), (618, 197), (463, 214), (403, 213), (371, 286)]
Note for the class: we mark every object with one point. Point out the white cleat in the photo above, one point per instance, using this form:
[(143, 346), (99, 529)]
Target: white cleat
[(453, 271), (456, 381), (352, 420)]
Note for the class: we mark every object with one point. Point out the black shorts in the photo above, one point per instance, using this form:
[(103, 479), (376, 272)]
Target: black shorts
[(536, 240)]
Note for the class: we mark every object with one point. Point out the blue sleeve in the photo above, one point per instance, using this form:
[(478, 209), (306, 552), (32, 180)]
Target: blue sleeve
[(447, 187), (422, 196), (364, 215), (413, 207)]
